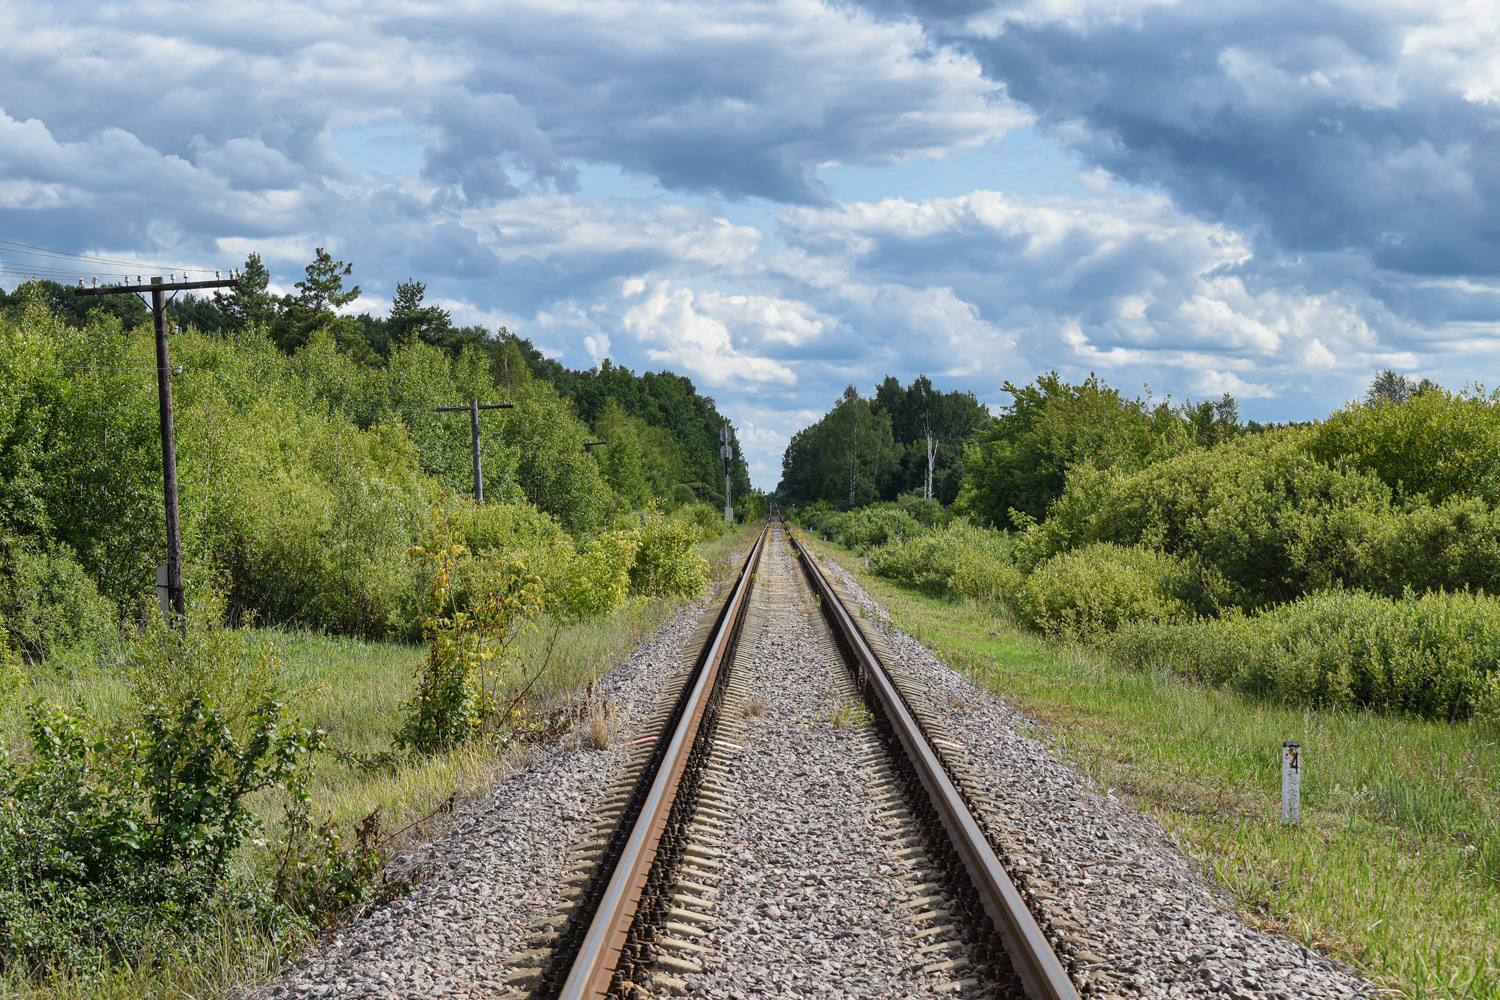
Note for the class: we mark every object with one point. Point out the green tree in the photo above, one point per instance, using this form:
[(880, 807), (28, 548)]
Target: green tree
[(1021, 461), (250, 304), (319, 297), (841, 459), (409, 317)]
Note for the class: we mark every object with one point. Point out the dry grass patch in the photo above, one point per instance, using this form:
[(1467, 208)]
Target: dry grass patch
[(602, 725)]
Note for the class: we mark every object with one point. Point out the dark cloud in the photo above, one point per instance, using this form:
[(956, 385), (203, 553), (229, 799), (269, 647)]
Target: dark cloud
[(1290, 195), (1304, 122)]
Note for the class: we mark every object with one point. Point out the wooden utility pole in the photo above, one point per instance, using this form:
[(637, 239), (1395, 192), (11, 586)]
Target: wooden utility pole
[(474, 407), (158, 290)]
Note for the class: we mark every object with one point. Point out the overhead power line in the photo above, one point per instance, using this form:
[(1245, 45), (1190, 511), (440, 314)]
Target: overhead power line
[(36, 251)]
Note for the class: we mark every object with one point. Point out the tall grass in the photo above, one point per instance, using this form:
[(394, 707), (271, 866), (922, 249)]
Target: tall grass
[(1396, 865)]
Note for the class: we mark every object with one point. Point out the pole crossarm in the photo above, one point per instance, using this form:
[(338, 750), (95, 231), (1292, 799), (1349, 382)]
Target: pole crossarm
[(473, 407), (165, 286), (467, 407)]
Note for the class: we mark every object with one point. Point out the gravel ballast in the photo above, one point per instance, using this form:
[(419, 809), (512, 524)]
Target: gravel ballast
[(810, 901), (1118, 874), (495, 871)]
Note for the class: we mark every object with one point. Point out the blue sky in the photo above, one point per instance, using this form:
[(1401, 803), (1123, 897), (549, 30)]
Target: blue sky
[(779, 198)]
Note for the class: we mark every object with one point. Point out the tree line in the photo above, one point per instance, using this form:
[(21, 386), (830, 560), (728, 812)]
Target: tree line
[(907, 439), (661, 435)]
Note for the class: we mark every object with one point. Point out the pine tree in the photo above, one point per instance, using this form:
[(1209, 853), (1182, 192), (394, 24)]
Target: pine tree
[(249, 304)]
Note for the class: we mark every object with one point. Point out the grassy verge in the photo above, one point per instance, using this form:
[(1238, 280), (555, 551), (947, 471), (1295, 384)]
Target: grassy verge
[(1396, 866), (353, 690)]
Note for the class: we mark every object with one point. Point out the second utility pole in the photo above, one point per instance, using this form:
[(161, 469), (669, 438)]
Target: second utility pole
[(474, 407)]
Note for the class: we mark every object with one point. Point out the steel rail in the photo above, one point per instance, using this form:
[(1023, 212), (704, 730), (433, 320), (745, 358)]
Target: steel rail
[(1033, 959), (599, 954)]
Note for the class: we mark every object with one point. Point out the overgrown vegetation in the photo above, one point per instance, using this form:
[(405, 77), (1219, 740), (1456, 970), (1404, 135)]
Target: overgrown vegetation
[(1347, 563), (179, 806), (1195, 588), (116, 831)]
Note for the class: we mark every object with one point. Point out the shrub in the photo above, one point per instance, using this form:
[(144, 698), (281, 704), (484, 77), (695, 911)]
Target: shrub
[(1436, 445), (865, 527), (111, 837), (959, 560), (924, 510), (875, 525), (517, 532), (319, 531), (665, 563), (708, 520), (824, 522), (469, 648), (1434, 655), (1089, 592), (599, 577), (1454, 546), (1269, 521), (48, 603)]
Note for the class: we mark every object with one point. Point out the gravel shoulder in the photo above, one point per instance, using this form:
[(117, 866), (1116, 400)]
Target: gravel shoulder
[(1148, 914), (495, 870)]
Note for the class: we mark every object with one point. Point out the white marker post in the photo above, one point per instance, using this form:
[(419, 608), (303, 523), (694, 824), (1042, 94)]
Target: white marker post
[(1291, 782), (163, 592)]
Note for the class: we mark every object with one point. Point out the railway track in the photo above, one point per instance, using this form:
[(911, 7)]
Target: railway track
[(641, 889)]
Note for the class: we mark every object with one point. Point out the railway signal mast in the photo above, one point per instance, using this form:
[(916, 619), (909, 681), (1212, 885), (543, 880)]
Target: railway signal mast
[(158, 290), (728, 454)]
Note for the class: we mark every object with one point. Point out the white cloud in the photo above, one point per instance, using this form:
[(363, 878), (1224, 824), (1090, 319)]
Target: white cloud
[(1274, 215), (696, 341)]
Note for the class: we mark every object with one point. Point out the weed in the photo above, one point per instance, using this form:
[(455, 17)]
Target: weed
[(602, 726), (853, 715)]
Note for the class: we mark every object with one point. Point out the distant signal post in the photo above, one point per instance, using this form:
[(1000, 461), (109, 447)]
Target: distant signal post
[(728, 454), (158, 290)]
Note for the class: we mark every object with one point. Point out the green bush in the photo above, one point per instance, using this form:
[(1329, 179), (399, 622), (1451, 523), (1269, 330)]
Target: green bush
[(1089, 592), (707, 519), (824, 522), (1453, 546), (319, 530), (1436, 445), (1435, 655), (598, 578), (959, 560), (48, 603), (519, 533), (1269, 521), (924, 510), (665, 563), (877, 524), (112, 837), (470, 643), (865, 527)]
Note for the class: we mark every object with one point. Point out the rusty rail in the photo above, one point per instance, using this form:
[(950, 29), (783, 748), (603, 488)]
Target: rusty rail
[(593, 970), (1033, 959)]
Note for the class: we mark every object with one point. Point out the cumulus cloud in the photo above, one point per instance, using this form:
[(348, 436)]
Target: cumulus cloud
[(677, 331), (1324, 126), (1278, 198)]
